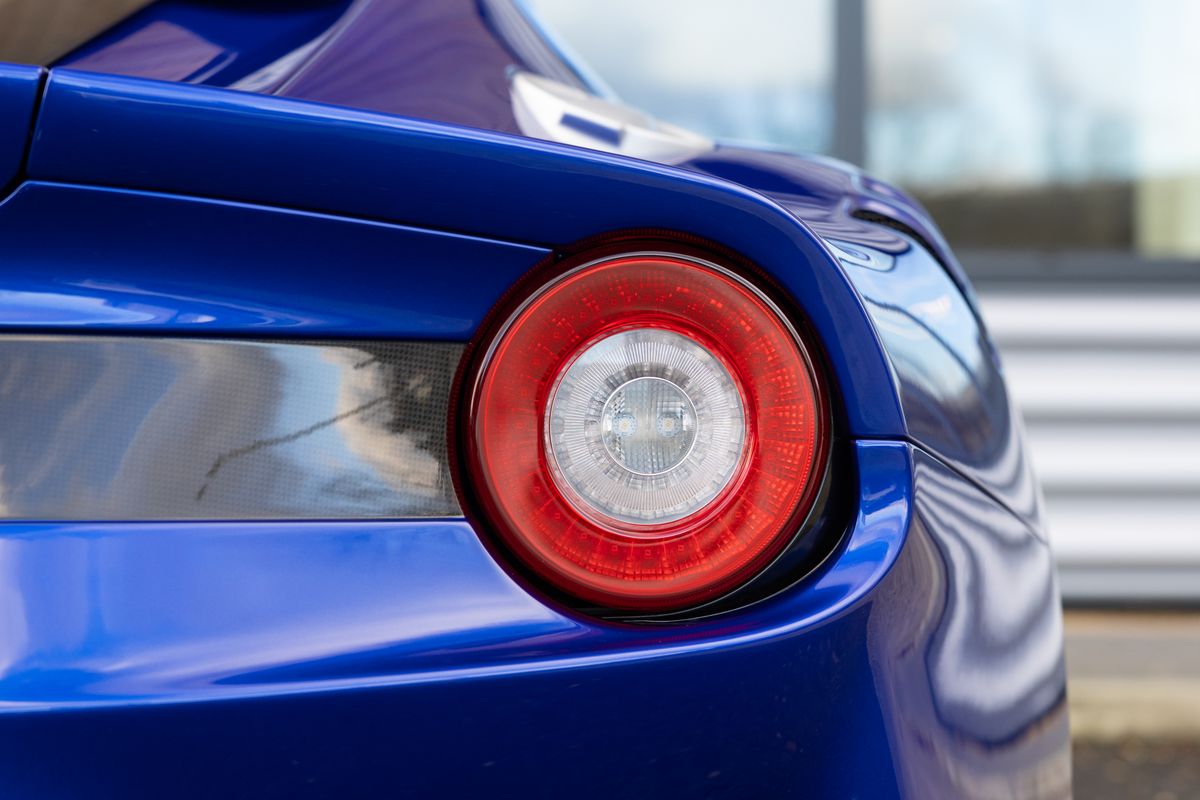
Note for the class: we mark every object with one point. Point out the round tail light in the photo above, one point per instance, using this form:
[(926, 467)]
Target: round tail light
[(643, 432)]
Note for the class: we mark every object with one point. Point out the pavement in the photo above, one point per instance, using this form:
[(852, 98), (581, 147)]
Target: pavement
[(1134, 692), (1160, 769)]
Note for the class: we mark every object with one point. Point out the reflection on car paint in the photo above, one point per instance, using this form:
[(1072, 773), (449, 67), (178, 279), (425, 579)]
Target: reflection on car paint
[(951, 387), (974, 671)]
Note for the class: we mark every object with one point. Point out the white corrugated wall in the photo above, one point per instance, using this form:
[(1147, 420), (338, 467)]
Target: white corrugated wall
[(1108, 380)]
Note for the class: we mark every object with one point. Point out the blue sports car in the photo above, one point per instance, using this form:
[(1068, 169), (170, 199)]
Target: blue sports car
[(386, 411)]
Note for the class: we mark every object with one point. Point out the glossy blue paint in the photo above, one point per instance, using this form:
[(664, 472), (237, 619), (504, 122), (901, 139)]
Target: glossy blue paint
[(210, 142), (186, 266), (431, 60), (267, 275), (449, 67), (202, 611), (202, 42), (826, 194), (951, 387), (355, 163), (374, 658), (989, 659), (19, 88), (254, 643)]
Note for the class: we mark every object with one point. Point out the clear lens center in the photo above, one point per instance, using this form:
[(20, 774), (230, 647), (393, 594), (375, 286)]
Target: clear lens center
[(648, 425), (645, 426)]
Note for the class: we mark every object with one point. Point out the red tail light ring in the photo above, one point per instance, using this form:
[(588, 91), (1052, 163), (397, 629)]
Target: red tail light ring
[(644, 432)]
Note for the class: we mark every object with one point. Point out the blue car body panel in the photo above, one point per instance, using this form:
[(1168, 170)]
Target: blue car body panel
[(375, 657), (180, 265), (19, 88), (216, 44), (267, 150), (368, 658)]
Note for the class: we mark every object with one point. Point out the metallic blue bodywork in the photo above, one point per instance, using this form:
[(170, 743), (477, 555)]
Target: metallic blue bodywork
[(179, 265), (372, 658), (213, 43), (376, 658), (19, 87), (429, 60)]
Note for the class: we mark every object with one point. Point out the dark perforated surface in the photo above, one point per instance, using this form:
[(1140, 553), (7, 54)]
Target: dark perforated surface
[(123, 428)]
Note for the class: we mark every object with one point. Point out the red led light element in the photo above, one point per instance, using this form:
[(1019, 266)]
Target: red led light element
[(646, 433)]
